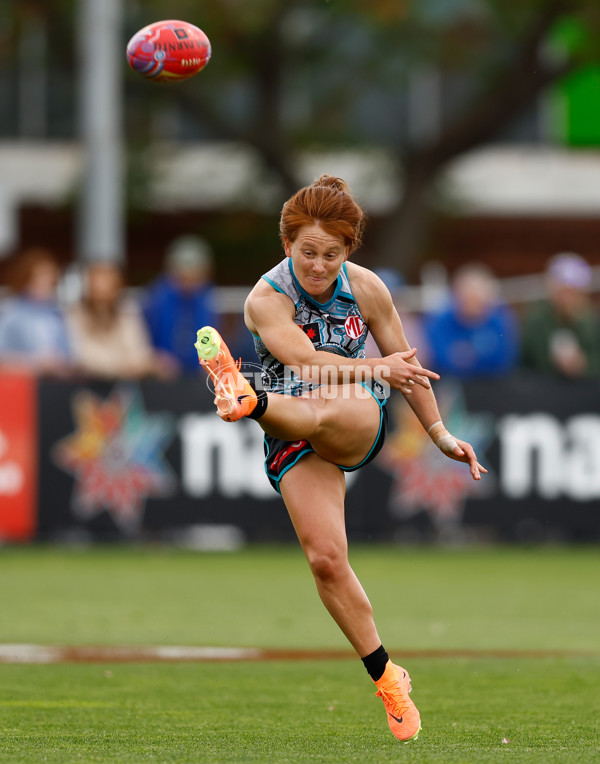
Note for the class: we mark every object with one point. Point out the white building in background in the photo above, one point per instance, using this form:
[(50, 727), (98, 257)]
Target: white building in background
[(502, 180), (509, 179)]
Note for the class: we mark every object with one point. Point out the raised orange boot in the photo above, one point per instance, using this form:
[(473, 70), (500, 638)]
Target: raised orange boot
[(234, 396)]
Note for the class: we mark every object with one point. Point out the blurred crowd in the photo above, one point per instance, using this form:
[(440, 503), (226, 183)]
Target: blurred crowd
[(87, 322), (471, 332)]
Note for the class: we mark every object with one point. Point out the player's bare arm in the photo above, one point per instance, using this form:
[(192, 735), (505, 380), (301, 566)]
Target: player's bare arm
[(397, 366), (269, 314), (386, 327)]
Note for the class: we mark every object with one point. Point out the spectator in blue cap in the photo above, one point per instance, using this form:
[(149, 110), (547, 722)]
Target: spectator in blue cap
[(561, 333)]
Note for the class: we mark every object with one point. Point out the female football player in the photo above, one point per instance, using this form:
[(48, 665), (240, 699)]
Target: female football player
[(324, 407)]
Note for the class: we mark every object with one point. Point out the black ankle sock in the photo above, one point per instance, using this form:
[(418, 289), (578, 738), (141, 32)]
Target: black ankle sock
[(261, 404), (375, 663)]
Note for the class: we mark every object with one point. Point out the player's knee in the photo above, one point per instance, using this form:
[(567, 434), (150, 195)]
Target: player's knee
[(320, 412), (327, 563)]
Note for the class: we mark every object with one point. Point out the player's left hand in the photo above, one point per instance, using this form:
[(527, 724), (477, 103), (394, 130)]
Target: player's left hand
[(461, 451)]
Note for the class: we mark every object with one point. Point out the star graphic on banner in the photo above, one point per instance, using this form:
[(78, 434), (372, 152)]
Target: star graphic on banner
[(116, 456), (424, 479), (311, 334)]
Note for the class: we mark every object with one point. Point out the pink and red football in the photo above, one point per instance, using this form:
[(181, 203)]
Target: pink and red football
[(167, 51)]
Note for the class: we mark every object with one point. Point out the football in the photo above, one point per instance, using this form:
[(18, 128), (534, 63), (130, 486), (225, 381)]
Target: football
[(168, 51)]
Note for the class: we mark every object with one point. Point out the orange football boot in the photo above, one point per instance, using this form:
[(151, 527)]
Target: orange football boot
[(234, 397), (393, 689)]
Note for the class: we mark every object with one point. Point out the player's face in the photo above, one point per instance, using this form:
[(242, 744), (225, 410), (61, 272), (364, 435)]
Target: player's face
[(317, 257)]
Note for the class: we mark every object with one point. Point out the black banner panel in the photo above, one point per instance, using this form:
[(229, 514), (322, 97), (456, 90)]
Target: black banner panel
[(153, 461)]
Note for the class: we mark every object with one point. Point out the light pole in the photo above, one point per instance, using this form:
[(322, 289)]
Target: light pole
[(101, 229)]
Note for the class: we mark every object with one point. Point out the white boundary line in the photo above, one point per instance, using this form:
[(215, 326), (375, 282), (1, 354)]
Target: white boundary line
[(27, 653), (23, 653)]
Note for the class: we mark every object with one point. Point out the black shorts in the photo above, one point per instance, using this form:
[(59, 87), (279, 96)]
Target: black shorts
[(281, 455)]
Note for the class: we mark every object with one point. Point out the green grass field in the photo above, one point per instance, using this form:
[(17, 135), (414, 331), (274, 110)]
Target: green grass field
[(475, 709)]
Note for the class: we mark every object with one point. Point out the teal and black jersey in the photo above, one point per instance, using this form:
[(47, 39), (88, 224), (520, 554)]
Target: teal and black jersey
[(335, 326)]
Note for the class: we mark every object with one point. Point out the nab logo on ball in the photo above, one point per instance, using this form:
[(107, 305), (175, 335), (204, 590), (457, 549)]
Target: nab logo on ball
[(354, 326), (168, 51)]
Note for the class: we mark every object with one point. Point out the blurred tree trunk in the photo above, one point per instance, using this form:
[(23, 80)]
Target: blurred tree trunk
[(402, 237)]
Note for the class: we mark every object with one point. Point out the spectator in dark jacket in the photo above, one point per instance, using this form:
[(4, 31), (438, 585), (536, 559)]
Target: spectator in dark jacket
[(561, 334)]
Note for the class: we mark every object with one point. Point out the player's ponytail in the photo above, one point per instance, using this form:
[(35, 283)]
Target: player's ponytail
[(329, 181)]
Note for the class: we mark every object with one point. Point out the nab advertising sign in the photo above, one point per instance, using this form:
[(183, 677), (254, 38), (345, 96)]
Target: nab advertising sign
[(144, 461), (155, 461)]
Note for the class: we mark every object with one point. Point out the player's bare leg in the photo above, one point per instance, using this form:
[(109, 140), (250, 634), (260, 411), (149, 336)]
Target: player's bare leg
[(341, 422), (314, 491)]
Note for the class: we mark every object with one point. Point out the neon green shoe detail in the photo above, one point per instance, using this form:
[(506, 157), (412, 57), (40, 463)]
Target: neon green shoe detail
[(234, 396), (208, 343)]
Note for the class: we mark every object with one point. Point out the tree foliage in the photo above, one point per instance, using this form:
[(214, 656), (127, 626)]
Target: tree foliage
[(304, 74), (294, 75)]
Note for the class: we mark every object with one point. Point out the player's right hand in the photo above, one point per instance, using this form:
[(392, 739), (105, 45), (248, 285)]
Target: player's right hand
[(403, 374)]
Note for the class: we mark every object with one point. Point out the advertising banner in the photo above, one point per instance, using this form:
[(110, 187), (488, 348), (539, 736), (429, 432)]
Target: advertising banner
[(153, 461), (536, 436), (18, 452)]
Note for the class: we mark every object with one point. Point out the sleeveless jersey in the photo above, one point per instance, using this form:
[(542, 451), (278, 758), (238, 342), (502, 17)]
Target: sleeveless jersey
[(335, 326)]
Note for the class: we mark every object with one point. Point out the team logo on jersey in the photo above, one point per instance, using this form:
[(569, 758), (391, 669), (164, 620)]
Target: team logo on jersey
[(312, 332), (354, 327)]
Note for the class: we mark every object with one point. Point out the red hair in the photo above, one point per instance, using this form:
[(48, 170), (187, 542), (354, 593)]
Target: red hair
[(328, 202)]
